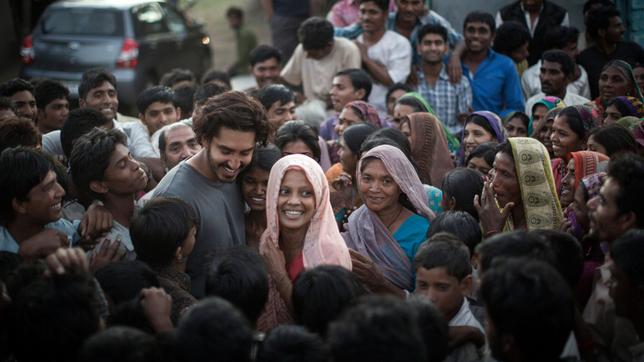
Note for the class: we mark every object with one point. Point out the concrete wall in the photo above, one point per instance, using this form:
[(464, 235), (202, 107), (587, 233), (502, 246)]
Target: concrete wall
[(632, 13), (456, 10)]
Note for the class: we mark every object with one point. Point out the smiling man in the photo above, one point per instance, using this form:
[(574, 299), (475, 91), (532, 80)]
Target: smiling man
[(557, 71), (493, 76), (31, 222), (228, 126), (21, 94)]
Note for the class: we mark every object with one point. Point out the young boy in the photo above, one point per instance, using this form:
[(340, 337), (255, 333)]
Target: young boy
[(444, 275), (157, 108), (31, 204), (53, 105), (102, 168)]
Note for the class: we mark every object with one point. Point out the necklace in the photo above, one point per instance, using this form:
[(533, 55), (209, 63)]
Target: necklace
[(395, 218)]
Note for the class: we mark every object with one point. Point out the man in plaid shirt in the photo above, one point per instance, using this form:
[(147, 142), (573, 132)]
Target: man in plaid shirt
[(450, 101)]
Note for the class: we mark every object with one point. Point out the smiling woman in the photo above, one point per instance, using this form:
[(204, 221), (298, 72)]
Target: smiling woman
[(386, 231), (301, 231)]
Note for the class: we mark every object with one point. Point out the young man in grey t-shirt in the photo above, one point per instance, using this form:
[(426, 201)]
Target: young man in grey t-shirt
[(228, 126)]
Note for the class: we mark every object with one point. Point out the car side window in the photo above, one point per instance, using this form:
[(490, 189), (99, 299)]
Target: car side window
[(175, 20), (148, 19)]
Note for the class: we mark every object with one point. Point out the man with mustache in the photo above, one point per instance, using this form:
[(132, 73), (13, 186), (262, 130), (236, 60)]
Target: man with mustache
[(557, 70)]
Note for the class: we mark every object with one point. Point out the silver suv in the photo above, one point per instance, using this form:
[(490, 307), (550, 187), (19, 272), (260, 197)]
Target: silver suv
[(138, 40)]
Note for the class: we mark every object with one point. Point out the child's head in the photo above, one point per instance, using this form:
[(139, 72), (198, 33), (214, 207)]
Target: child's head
[(288, 343), (213, 330), (163, 232), (321, 294), (121, 344), (101, 164), (240, 277), (444, 275)]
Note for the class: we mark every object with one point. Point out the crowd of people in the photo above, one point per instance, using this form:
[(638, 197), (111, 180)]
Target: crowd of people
[(391, 190)]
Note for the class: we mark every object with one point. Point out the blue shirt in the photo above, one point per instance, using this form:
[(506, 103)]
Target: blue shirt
[(495, 85), (448, 100), (8, 243)]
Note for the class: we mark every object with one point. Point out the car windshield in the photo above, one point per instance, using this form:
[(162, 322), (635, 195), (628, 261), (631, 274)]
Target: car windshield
[(83, 21)]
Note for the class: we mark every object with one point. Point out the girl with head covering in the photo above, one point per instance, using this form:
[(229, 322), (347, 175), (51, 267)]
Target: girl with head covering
[(540, 109), (611, 140), (570, 132), (616, 79), (413, 103), (386, 231), (357, 112), (521, 193), (254, 181), (581, 164), (516, 124), (428, 147), (622, 106), (301, 231), (480, 127), (481, 158)]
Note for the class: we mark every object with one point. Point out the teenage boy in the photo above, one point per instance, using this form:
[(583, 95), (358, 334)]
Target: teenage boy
[(265, 65), (493, 77), (348, 85), (31, 205), (21, 94), (228, 126), (157, 108), (103, 168), (279, 103), (386, 55), (317, 58), (52, 104), (450, 101), (557, 70), (444, 276)]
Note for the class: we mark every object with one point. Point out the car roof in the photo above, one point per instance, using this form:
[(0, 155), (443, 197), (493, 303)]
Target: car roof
[(114, 4)]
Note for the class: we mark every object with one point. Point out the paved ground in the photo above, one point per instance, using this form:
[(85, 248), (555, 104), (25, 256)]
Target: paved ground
[(213, 14)]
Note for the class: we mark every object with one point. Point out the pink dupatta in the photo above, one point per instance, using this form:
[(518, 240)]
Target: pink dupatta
[(323, 243), (368, 235)]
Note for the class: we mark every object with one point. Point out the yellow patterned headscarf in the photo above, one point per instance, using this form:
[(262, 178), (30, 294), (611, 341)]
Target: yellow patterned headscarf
[(534, 173)]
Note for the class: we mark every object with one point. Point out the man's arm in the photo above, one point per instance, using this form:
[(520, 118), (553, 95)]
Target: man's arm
[(377, 71), (512, 96)]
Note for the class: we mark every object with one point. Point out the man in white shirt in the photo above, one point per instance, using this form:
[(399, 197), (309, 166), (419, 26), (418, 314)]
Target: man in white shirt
[(563, 38), (97, 90), (556, 72), (386, 55), (317, 58)]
